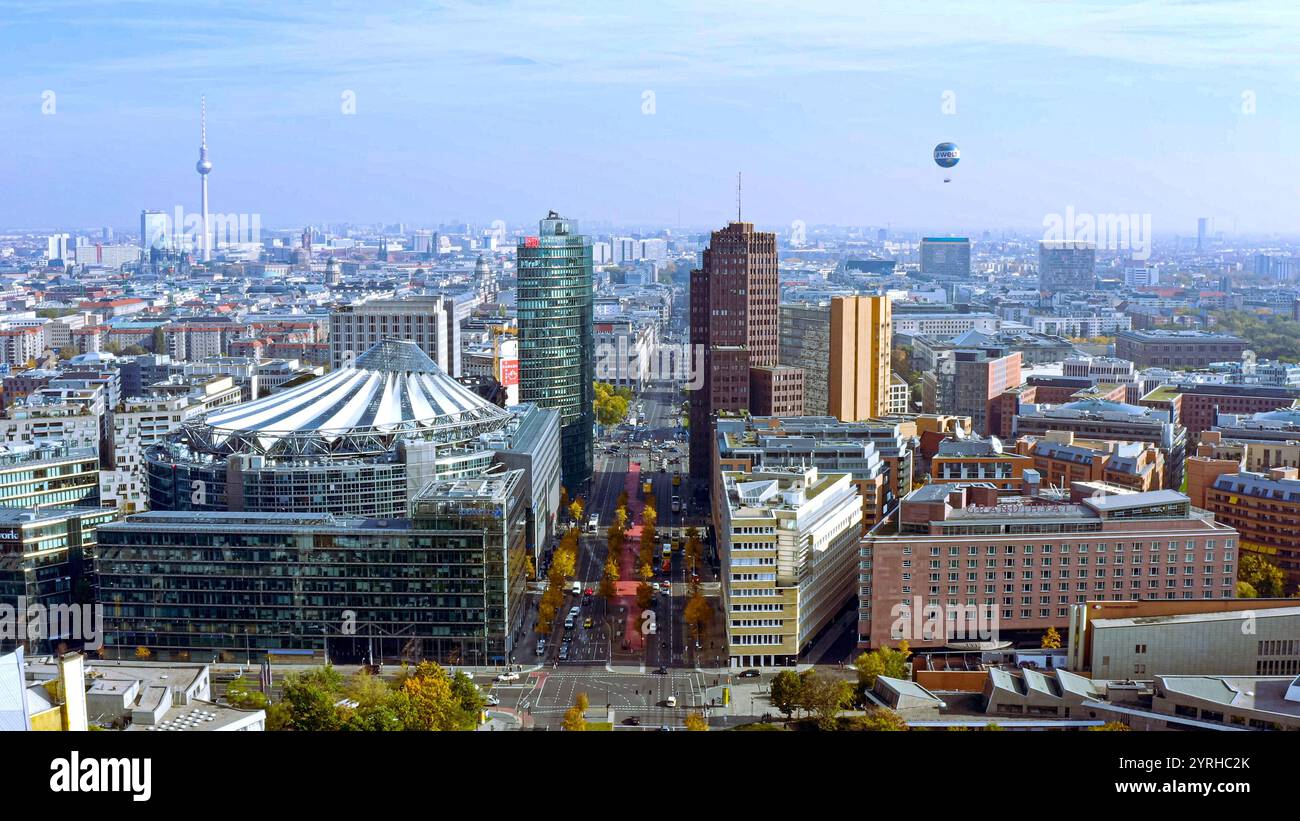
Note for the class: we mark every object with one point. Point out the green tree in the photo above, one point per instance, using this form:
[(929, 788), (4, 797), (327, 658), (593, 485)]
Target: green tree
[(426, 701), (312, 696), (787, 692), (1266, 578), (883, 661), (240, 694), (879, 719), (825, 696)]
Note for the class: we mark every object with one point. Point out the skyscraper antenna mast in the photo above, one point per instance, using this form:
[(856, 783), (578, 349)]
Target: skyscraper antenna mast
[(737, 196)]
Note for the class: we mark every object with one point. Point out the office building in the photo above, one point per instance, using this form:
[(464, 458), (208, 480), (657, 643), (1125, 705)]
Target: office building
[(945, 257), (1067, 265), (530, 442), (1061, 459), (45, 560), (860, 358), (1177, 349), (975, 555), (788, 545), (557, 347), (805, 343), (447, 584), (1108, 421), (747, 446), (49, 474), (965, 381), (1197, 407), (1264, 507), (155, 232), (776, 390), (973, 459), (734, 318), (430, 321)]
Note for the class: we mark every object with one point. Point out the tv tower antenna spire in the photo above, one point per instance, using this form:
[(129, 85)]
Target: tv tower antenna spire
[(737, 196)]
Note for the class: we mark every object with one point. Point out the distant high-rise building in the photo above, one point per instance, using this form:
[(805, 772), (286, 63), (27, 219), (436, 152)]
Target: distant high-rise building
[(154, 232), (945, 256), (59, 246), (1067, 265), (859, 373), (557, 347), (1202, 230), (734, 318)]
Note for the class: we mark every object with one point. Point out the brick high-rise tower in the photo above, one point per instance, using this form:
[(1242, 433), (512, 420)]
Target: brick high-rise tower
[(734, 317)]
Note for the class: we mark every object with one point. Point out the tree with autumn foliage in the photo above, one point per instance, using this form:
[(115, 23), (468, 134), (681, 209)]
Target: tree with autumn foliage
[(1051, 639), (696, 722)]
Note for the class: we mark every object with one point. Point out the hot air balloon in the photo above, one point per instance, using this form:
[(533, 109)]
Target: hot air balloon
[(946, 155)]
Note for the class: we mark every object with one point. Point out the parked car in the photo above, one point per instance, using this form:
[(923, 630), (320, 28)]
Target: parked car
[(632, 721), (509, 675), (750, 673)]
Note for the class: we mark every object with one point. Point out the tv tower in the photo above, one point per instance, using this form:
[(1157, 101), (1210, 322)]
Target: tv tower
[(204, 167)]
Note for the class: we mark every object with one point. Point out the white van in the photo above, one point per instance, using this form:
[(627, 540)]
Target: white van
[(671, 702), (576, 588)]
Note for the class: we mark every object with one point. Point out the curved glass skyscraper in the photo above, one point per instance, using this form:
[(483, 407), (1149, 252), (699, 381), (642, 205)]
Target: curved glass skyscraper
[(557, 346)]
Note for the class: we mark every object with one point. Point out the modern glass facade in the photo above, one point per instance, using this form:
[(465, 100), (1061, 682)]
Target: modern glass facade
[(49, 474), (557, 347), (45, 560), (446, 585)]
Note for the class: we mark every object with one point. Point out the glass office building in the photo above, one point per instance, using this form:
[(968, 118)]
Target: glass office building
[(557, 346), (447, 584)]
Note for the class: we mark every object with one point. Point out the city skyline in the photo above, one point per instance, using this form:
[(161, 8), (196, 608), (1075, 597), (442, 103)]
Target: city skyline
[(833, 121)]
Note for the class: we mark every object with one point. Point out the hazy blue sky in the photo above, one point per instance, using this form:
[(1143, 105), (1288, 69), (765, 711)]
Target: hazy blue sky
[(505, 109)]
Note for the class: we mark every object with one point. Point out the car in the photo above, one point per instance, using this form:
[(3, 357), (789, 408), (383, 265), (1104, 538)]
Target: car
[(587, 623), (662, 671), (541, 647), (586, 600), (564, 652), (632, 721), (671, 701), (568, 622), (567, 638), (509, 675), (574, 611), (589, 592), (576, 588), (750, 673), (491, 700)]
